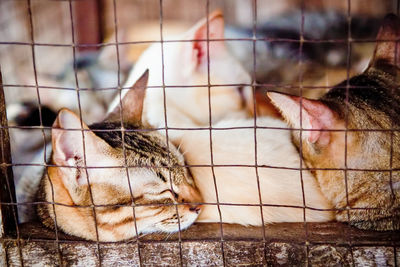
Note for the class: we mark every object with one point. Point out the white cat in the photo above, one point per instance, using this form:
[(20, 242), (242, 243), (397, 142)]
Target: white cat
[(185, 63), (279, 179), (185, 67)]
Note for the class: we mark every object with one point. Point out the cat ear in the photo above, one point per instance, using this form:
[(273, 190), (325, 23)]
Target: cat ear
[(67, 141), (387, 49), (314, 114), (198, 49), (132, 102)]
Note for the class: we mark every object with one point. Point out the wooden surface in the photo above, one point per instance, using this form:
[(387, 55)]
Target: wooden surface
[(326, 233), (285, 244), (7, 190)]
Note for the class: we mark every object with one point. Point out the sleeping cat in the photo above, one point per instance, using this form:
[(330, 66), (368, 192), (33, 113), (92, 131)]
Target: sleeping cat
[(370, 102), (186, 64), (185, 69), (237, 185), (149, 186)]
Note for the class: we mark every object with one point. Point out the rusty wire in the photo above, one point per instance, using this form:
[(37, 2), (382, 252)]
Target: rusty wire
[(307, 242), (253, 82), (348, 66), (123, 128)]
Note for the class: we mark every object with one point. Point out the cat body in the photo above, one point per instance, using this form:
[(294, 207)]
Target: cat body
[(185, 63), (183, 68), (279, 184), (186, 107), (357, 169), (139, 198), (182, 109)]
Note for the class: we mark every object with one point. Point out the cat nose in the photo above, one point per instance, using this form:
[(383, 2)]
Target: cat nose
[(195, 208)]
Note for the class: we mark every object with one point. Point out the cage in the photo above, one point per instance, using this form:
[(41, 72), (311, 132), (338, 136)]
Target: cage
[(83, 49)]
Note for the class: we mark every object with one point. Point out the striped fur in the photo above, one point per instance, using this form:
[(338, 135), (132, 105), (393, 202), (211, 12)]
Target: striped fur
[(367, 195), (134, 178)]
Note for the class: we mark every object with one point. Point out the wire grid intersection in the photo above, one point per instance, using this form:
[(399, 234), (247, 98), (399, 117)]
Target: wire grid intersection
[(307, 242)]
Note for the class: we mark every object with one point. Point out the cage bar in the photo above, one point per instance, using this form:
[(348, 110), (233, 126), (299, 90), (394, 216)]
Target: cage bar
[(203, 244)]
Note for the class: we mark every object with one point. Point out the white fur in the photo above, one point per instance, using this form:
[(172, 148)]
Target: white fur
[(238, 185), (189, 107), (185, 105)]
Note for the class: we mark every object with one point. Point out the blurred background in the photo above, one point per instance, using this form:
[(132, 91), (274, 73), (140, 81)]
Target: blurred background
[(139, 20), (54, 25)]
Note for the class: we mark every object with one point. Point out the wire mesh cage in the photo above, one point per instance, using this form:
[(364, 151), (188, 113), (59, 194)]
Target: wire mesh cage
[(78, 54)]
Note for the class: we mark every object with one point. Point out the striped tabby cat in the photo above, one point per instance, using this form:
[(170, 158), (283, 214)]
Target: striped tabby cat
[(373, 155), (153, 189)]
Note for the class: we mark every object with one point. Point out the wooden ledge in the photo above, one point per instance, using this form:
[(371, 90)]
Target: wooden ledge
[(299, 233), (201, 245)]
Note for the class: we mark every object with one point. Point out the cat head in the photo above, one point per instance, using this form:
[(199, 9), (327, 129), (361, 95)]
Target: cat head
[(368, 105), (189, 63), (127, 176)]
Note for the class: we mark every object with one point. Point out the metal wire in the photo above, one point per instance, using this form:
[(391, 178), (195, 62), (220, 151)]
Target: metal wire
[(301, 129), (254, 5), (83, 133), (221, 239), (32, 37), (123, 130), (210, 133), (269, 85), (204, 165), (346, 121), (265, 39), (166, 126)]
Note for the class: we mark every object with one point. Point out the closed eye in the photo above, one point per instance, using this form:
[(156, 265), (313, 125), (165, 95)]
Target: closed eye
[(161, 176)]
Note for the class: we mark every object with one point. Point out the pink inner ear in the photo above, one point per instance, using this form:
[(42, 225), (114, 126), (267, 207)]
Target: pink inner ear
[(321, 117), (313, 136), (315, 115), (320, 112), (67, 148), (65, 137), (309, 122), (199, 52), (64, 146), (215, 31)]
